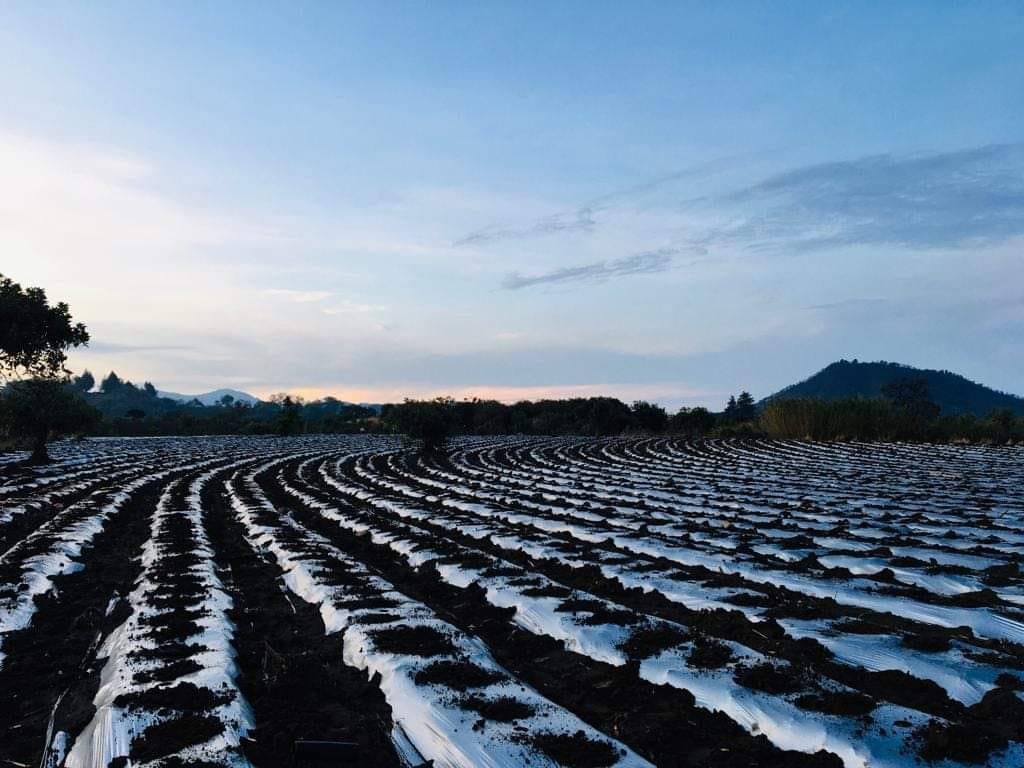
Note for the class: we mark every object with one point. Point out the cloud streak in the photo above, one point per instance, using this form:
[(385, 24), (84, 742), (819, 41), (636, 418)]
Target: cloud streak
[(951, 200), (638, 264), (580, 220), (583, 218)]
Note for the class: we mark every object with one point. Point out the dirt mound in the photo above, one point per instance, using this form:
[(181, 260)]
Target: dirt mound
[(415, 641), (576, 750), (651, 640), (503, 709), (457, 675), (709, 654), (183, 696), (848, 703), (769, 678), (174, 735)]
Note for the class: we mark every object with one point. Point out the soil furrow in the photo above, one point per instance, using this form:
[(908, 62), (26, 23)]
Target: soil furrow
[(660, 722), (54, 657), (290, 671)]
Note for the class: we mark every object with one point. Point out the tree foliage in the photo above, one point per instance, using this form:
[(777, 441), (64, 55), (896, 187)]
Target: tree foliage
[(649, 417), (430, 422), (35, 336), (111, 383), (740, 409), (85, 382), (692, 421)]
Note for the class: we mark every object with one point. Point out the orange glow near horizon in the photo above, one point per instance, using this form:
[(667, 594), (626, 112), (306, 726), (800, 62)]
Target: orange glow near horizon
[(625, 392)]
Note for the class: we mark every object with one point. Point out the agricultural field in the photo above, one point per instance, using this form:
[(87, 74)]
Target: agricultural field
[(513, 601)]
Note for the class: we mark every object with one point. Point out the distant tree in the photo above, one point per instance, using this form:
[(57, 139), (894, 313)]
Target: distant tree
[(149, 389), (731, 410), (111, 384), (290, 420), (740, 409), (227, 401), (35, 409), (34, 336), (649, 416), (430, 422), (692, 421), (746, 409), (85, 382)]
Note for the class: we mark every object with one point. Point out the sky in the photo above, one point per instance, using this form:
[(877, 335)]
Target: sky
[(663, 201)]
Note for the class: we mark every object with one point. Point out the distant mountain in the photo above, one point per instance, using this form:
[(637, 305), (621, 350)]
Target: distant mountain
[(952, 392), (211, 398)]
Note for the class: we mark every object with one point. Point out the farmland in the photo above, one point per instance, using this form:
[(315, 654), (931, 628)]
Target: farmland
[(512, 601)]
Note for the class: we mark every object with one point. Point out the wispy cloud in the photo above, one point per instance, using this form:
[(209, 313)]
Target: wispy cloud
[(955, 199), (580, 220), (583, 218), (638, 264)]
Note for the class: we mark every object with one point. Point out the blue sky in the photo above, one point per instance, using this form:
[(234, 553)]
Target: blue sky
[(662, 200)]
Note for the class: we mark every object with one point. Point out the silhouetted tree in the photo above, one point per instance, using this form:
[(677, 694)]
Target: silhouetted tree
[(731, 409), (149, 389), (85, 382), (290, 420), (431, 422), (649, 416), (692, 421), (111, 384), (746, 409), (35, 337)]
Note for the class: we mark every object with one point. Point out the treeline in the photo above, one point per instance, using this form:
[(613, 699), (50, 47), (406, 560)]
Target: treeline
[(433, 421), (575, 416), (117, 407), (904, 412), (129, 410)]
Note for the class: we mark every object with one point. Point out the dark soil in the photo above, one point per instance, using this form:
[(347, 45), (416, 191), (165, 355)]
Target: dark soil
[(174, 735), (935, 642), (576, 750), (651, 640), (769, 678), (457, 675), (183, 696), (503, 709), (415, 641), (548, 590), (709, 654), (849, 703)]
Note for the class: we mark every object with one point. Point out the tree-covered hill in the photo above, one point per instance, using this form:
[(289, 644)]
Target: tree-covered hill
[(953, 393)]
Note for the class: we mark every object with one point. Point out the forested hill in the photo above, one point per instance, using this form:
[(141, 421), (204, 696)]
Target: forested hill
[(950, 391)]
